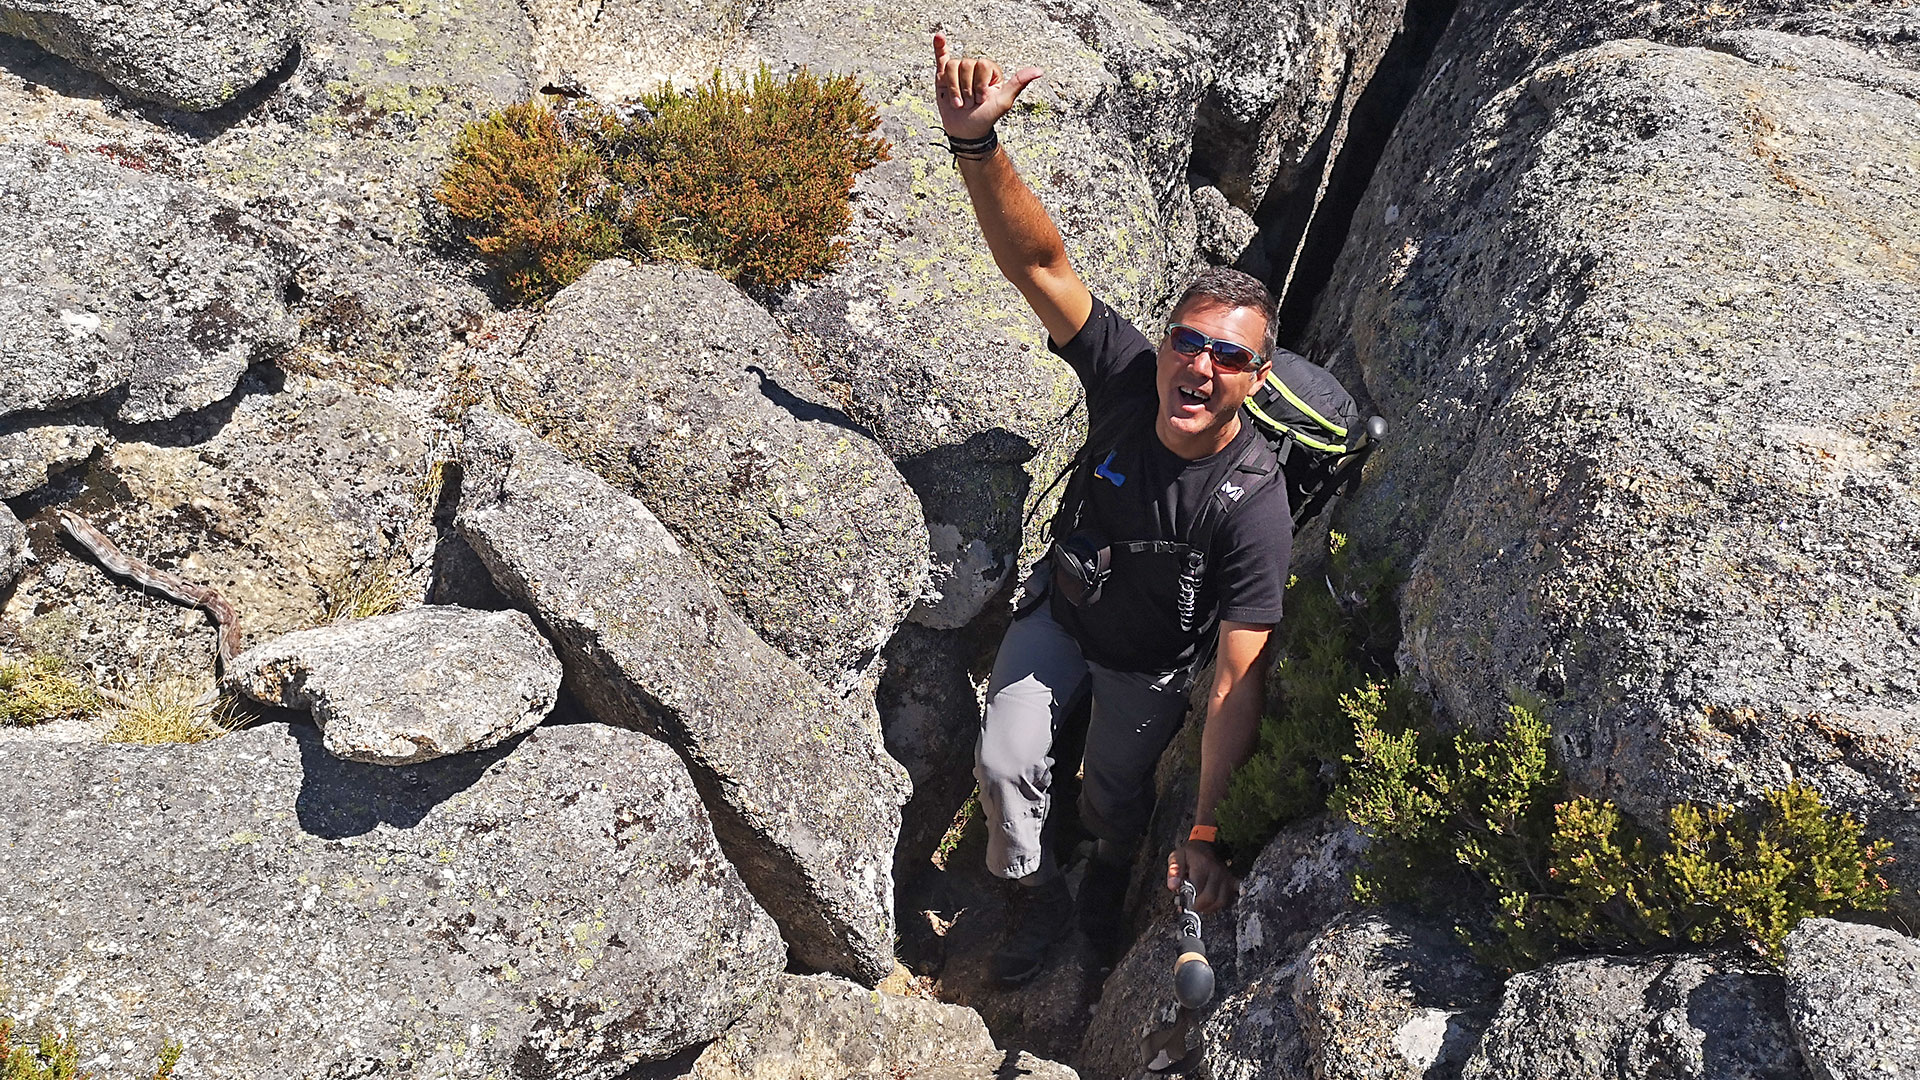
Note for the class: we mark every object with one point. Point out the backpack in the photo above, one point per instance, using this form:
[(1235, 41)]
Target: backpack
[(1314, 426)]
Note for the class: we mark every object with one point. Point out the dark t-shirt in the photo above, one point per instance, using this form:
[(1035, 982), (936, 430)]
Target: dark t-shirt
[(1145, 491)]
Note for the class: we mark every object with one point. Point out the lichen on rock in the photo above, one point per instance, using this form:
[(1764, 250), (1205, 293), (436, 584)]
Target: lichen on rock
[(559, 910), (1642, 318), (118, 282), (805, 800), (672, 384)]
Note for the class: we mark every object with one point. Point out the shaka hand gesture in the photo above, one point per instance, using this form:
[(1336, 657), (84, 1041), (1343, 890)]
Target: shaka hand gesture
[(973, 93)]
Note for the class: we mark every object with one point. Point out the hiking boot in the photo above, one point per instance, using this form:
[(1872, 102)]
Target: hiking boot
[(1102, 908), (1040, 916)]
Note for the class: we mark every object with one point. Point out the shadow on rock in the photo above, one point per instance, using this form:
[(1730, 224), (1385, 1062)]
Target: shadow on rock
[(197, 426), (339, 799), (805, 410), (68, 79)]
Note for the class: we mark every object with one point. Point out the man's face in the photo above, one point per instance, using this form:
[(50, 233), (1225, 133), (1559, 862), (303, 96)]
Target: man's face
[(1199, 400)]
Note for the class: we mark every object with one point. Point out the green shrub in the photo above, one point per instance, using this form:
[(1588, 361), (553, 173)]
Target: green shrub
[(1482, 830), (57, 1057), (1331, 646), (1719, 873), (40, 689), (749, 179)]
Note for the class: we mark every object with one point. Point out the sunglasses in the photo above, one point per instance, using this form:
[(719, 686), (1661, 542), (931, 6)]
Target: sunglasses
[(1228, 355)]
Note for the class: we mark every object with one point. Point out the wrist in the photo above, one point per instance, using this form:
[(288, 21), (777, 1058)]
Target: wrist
[(1203, 834), (975, 148), (967, 131)]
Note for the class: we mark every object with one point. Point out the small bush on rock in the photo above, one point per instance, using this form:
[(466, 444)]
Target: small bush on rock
[(1333, 645), (533, 197), (155, 710), (749, 179), (1481, 829), (40, 689), (57, 1057)]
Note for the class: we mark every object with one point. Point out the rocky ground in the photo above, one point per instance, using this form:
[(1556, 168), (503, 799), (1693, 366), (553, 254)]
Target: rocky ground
[(609, 671)]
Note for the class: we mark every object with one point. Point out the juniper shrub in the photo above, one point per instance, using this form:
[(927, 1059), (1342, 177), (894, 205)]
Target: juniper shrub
[(1332, 645), (1483, 830), (750, 179), (533, 198)]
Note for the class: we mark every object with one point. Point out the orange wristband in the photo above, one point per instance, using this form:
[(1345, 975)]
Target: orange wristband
[(1205, 833)]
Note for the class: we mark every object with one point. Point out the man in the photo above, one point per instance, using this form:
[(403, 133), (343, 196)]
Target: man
[(1168, 449)]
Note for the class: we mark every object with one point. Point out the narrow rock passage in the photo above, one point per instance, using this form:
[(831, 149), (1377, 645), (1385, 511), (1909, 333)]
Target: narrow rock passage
[(1303, 238)]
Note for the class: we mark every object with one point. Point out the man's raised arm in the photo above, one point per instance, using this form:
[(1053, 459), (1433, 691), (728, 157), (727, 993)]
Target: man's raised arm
[(973, 94)]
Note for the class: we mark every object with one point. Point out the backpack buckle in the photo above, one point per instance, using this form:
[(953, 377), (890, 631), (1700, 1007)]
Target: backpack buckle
[(1082, 563)]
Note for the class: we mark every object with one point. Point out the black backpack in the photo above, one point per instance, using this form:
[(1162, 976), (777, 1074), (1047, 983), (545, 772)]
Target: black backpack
[(1314, 426)]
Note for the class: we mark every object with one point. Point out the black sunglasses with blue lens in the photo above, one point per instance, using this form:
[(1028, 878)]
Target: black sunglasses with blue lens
[(1230, 355)]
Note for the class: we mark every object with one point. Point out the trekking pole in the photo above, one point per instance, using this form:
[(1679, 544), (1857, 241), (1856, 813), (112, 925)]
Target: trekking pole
[(1167, 1051), (1192, 975)]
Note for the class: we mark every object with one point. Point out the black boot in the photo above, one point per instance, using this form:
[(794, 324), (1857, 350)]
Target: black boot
[(1041, 915), (1102, 908)]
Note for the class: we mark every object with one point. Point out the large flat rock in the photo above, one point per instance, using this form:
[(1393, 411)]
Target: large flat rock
[(673, 385), (117, 281), (1644, 319), (805, 801), (560, 910), (410, 686), (196, 55)]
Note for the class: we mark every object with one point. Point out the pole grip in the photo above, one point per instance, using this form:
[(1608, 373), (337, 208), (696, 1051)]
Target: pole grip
[(1192, 975)]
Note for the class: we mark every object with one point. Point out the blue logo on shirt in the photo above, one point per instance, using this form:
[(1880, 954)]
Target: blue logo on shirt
[(1106, 472)]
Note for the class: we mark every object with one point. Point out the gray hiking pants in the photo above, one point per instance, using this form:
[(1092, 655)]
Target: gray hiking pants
[(1037, 676)]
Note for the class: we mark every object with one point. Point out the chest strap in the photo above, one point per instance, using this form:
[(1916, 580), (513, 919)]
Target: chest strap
[(1255, 466), (1151, 547)]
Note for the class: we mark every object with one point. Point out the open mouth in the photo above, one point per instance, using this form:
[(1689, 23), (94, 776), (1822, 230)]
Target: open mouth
[(1190, 396)]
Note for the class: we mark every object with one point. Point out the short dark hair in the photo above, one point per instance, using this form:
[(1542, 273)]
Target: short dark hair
[(1230, 288)]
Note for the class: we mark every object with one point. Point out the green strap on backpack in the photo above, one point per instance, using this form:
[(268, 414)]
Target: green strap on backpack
[(1314, 425)]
